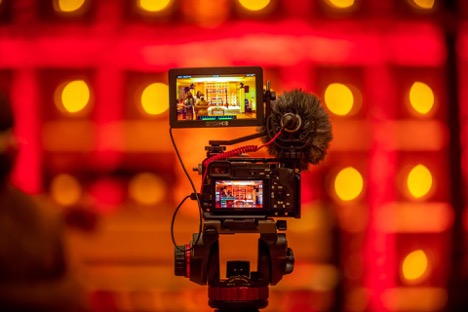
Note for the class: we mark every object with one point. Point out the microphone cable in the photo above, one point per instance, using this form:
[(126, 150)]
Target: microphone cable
[(194, 195), (236, 152)]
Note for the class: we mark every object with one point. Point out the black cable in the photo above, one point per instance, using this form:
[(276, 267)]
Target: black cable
[(200, 210), (173, 221)]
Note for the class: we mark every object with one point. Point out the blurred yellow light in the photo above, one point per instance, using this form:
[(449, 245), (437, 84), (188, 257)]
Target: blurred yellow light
[(348, 184), (341, 4), (421, 97), (339, 99), (424, 4), (75, 96), (65, 189), (254, 5), (69, 5), (419, 181), (155, 98), (147, 188), (153, 5), (414, 265)]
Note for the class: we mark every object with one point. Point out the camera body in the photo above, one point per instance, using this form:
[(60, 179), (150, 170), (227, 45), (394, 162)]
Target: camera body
[(244, 187)]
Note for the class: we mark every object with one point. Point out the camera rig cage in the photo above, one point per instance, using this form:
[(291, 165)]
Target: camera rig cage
[(272, 186)]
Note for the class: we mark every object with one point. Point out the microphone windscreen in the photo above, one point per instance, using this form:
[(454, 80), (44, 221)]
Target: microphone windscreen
[(311, 139)]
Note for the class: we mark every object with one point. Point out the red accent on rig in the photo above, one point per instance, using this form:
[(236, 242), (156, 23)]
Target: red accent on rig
[(238, 293), (187, 260)]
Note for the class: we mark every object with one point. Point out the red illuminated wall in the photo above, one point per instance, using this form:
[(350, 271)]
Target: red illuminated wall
[(349, 254)]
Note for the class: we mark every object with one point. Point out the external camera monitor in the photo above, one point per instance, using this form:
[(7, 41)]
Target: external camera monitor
[(216, 97)]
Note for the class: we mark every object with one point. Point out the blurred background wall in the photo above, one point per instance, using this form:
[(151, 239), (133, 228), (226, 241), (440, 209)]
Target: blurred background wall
[(383, 217)]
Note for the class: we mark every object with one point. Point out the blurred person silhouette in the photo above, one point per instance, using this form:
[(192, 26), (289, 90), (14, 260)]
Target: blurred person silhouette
[(201, 106), (189, 103), (33, 266)]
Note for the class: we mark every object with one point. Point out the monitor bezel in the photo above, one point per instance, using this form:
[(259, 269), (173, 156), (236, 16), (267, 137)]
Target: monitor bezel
[(174, 73)]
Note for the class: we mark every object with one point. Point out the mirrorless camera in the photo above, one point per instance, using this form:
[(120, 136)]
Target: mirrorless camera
[(250, 187)]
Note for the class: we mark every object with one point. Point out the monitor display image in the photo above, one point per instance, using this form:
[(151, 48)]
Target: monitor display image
[(243, 194), (216, 97)]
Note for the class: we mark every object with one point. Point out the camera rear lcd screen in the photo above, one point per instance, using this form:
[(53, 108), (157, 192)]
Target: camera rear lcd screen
[(216, 97), (234, 194)]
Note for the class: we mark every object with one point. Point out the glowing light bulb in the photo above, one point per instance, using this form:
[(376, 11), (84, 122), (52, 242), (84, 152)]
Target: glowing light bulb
[(421, 97), (147, 188), (348, 184), (339, 99), (75, 96), (423, 4), (68, 5), (65, 189), (154, 5), (341, 4), (254, 5), (414, 265), (419, 181), (155, 98)]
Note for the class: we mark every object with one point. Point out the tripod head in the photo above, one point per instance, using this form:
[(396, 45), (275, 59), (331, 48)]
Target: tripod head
[(242, 290)]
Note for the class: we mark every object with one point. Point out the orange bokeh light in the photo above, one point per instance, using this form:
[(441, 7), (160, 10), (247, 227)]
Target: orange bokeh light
[(254, 5), (415, 266), (153, 6), (69, 6), (73, 97)]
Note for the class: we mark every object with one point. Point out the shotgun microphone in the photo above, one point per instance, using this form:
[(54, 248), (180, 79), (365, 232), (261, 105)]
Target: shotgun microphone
[(306, 129)]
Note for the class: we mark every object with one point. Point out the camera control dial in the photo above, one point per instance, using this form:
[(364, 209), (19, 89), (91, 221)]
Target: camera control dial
[(280, 194), (182, 258)]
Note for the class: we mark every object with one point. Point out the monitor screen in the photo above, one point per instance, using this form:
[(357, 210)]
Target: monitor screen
[(216, 97), (239, 194)]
